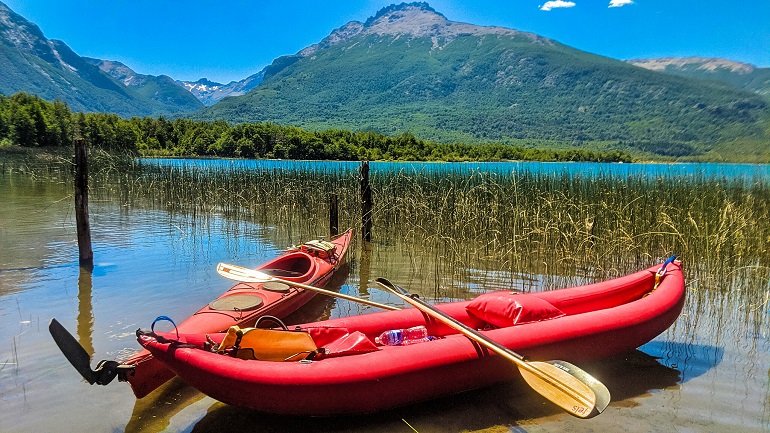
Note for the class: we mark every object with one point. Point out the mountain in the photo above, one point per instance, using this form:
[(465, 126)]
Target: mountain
[(32, 63), (409, 68), (738, 74), (209, 92), (162, 89)]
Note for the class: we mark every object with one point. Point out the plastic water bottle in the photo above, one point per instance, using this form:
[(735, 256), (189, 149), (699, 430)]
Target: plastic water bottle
[(402, 337)]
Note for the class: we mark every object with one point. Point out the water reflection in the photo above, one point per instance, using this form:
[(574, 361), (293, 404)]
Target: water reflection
[(364, 269), (85, 317), (694, 360), (153, 413)]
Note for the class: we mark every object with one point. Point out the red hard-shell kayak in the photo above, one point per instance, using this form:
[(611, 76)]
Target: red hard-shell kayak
[(573, 324), (244, 303)]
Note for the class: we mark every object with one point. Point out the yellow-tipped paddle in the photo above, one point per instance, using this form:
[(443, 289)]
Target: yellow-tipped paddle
[(564, 384)]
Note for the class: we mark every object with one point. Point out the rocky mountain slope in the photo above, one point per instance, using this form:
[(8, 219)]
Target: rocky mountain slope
[(209, 92), (161, 88), (409, 68), (32, 63), (738, 74)]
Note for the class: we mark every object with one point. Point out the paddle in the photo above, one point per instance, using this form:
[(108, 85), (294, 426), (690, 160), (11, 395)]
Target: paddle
[(79, 358), (246, 275), (564, 384)]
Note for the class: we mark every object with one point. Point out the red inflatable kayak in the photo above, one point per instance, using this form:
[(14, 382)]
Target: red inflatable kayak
[(351, 374), (312, 263)]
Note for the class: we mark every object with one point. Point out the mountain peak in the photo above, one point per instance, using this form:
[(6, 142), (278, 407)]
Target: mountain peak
[(206, 82), (418, 20), (413, 20), (404, 7), (119, 71), (405, 11), (27, 37)]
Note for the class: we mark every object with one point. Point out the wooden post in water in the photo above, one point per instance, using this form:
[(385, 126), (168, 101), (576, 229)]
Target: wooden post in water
[(81, 204), (366, 203), (334, 212)]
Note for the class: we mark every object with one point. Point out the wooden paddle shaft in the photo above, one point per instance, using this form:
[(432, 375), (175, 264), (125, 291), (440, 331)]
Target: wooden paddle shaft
[(246, 275), (557, 385)]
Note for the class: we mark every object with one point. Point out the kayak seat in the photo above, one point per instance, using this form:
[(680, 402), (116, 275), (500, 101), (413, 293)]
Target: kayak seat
[(295, 265), (504, 309)]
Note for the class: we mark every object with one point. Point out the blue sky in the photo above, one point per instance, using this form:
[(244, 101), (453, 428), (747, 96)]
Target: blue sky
[(231, 39)]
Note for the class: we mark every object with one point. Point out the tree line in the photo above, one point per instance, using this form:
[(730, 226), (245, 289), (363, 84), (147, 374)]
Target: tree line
[(29, 121)]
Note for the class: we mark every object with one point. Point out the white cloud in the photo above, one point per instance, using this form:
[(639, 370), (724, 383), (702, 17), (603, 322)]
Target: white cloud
[(559, 4), (619, 3)]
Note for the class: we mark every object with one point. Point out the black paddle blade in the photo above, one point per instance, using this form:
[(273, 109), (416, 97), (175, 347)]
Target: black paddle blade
[(387, 283), (73, 351)]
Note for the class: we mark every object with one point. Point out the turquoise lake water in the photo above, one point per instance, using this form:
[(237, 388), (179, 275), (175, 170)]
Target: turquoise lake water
[(747, 172)]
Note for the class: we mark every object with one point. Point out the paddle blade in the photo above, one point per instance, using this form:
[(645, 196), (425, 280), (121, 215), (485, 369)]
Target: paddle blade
[(600, 391), (571, 394), (242, 274), (565, 385), (72, 350)]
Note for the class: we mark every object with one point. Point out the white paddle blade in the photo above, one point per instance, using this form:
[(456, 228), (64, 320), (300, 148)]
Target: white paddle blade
[(242, 274), (246, 275)]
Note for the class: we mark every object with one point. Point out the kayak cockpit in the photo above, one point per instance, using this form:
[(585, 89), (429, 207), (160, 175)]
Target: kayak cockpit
[(297, 265)]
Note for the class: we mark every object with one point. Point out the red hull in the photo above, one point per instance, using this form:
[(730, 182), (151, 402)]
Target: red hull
[(244, 303), (599, 320)]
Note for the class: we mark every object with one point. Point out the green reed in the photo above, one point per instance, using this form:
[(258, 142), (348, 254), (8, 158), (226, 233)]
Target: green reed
[(565, 224), (459, 234), (293, 200), (525, 220), (450, 225)]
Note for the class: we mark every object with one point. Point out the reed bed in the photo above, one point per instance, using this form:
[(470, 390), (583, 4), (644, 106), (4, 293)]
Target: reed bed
[(462, 233), (515, 218), (596, 226), (458, 228)]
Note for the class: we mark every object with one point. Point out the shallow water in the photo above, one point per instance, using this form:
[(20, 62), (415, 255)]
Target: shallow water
[(708, 372)]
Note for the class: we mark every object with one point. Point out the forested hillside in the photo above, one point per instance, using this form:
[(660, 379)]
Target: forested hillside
[(29, 121), (410, 69)]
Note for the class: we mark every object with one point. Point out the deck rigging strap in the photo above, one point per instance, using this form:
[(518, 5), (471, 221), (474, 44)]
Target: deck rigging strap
[(662, 272), (321, 248)]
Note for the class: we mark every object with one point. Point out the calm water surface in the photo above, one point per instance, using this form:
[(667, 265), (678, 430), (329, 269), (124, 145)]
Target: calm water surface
[(749, 172), (710, 372)]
